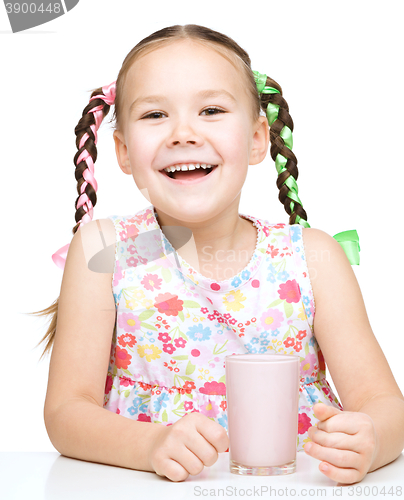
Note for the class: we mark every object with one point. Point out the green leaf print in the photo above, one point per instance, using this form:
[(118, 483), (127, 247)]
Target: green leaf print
[(191, 303), (274, 303), (126, 393), (262, 250), (181, 316), (180, 357), (306, 348), (177, 398), (222, 379), (165, 416), (190, 368), (288, 309), (145, 315), (126, 371), (147, 326), (166, 273)]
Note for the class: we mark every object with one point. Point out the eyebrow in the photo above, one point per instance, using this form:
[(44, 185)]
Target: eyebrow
[(209, 93)]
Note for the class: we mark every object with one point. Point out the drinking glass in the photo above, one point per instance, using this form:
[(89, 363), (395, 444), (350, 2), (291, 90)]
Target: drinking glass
[(262, 392)]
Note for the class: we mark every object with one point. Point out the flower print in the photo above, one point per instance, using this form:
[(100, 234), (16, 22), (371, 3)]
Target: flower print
[(264, 342), (311, 392), (161, 402), (304, 423), (255, 340), (129, 322), (180, 342), (147, 303), (218, 388), (108, 384), (118, 274), (236, 282), (301, 334), (294, 233), (122, 358), (151, 282), (275, 333), (198, 332), (283, 276), (272, 319), (168, 304), (306, 300), (200, 355), (321, 360), (148, 217), (126, 382), (210, 409), (223, 405), (245, 274), (289, 342), (188, 405), (127, 340), (306, 366), (137, 401), (263, 335), (150, 351), (263, 350), (233, 299), (302, 313), (142, 417), (271, 278), (132, 262), (251, 350), (164, 337), (266, 230), (289, 291), (169, 348), (143, 408), (204, 310), (189, 386), (133, 410), (223, 421), (298, 346)]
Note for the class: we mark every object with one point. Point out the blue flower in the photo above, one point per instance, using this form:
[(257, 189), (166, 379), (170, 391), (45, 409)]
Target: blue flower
[(223, 421), (272, 269), (306, 300), (275, 333), (236, 281), (295, 232), (312, 396), (255, 340), (264, 342), (198, 332), (264, 334), (143, 408), (283, 276), (311, 342), (262, 350), (137, 401), (250, 349), (271, 278), (245, 275), (160, 401), (132, 410), (297, 249)]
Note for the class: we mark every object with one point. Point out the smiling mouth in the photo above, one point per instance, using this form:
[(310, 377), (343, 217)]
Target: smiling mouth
[(191, 174)]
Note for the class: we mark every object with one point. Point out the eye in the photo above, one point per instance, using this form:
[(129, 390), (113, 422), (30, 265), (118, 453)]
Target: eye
[(215, 111), (153, 115)]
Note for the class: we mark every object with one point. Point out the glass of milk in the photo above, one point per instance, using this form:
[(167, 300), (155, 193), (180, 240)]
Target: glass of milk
[(262, 392)]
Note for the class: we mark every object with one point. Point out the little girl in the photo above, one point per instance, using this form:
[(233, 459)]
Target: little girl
[(152, 302)]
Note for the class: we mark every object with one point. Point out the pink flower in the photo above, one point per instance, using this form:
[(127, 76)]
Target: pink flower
[(218, 388), (129, 322), (272, 319), (306, 366), (289, 291), (200, 355), (304, 423), (210, 409), (151, 282)]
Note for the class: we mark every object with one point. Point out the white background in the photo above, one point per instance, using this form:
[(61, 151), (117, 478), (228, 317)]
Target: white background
[(340, 69)]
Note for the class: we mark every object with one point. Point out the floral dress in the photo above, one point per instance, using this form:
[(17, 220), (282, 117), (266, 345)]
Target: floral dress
[(174, 326)]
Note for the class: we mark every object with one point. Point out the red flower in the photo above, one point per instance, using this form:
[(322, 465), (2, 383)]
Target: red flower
[(289, 342), (289, 291), (168, 304), (108, 384), (180, 342), (298, 346), (321, 360), (223, 405), (304, 423), (188, 386), (144, 386), (188, 405), (143, 417), (301, 334), (164, 337), (122, 358), (169, 348), (204, 310), (218, 388), (125, 381), (127, 340)]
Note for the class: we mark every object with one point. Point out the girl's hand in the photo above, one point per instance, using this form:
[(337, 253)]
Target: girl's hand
[(345, 441), (187, 446)]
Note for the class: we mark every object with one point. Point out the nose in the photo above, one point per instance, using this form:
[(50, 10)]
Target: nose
[(184, 133)]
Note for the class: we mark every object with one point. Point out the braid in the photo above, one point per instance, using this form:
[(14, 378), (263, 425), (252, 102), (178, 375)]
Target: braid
[(280, 132), (86, 156)]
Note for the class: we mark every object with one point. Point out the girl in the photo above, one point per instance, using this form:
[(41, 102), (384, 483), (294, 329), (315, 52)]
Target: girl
[(152, 302)]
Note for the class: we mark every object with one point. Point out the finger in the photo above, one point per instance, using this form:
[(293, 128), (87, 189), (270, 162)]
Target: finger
[(213, 432), (322, 411), (171, 470), (338, 440), (346, 459), (349, 422), (188, 460), (342, 476), (203, 450)]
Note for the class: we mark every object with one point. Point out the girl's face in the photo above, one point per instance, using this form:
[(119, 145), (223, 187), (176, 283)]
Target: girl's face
[(185, 103)]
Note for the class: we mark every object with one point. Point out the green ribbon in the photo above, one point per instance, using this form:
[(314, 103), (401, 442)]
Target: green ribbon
[(349, 240)]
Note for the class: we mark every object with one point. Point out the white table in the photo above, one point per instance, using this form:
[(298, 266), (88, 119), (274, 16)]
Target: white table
[(51, 476)]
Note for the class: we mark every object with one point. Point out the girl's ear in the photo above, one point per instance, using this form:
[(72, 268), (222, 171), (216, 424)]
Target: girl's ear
[(121, 152), (260, 141)]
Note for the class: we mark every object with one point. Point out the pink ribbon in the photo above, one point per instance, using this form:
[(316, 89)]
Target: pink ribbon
[(59, 257)]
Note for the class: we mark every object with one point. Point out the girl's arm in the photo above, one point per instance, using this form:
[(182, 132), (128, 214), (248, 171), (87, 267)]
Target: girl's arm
[(77, 424), (357, 365)]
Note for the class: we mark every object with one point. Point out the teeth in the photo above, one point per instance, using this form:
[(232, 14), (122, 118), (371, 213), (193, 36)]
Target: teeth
[(188, 166)]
